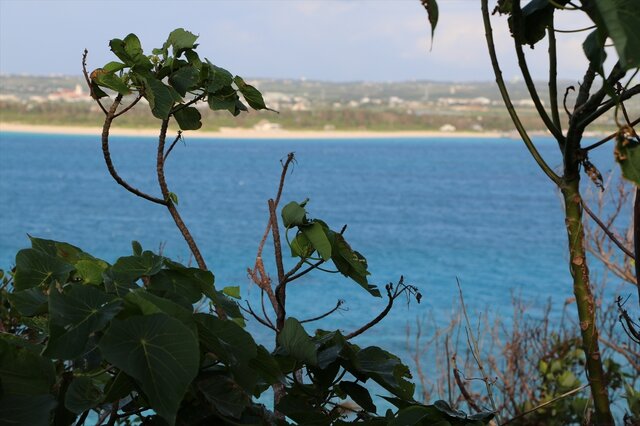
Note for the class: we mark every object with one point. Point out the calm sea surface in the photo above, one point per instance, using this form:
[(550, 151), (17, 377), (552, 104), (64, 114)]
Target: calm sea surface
[(432, 210)]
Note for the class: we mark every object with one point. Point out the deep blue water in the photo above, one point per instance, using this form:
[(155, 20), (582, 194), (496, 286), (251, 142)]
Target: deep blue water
[(432, 210)]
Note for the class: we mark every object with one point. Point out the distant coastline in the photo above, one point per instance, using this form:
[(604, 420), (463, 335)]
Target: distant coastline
[(240, 133)]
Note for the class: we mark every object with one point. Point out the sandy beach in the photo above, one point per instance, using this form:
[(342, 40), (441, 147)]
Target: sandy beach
[(239, 133)]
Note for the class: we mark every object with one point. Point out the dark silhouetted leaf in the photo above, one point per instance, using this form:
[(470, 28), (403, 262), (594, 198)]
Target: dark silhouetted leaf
[(24, 372), (75, 313), (35, 268), (29, 302), (627, 154), (32, 410), (184, 79), (359, 394), (251, 94), (160, 353), (82, 395), (296, 342), (225, 395), (622, 21), (188, 118)]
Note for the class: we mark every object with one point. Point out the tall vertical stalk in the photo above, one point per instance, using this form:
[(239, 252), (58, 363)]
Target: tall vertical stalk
[(569, 184)]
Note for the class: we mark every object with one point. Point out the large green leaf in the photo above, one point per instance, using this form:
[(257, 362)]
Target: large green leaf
[(293, 214), (536, 16), (35, 268), (130, 51), (225, 395), (351, 263), (135, 267), (160, 353), (622, 21), (387, 370), (113, 82), (32, 410), (150, 304), (159, 97), (295, 341), (223, 98), (24, 372), (179, 40), (316, 234), (627, 154), (301, 246), (226, 339), (64, 251), (90, 271), (216, 76), (251, 94), (359, 394), (184, 79), (29, 302), (74, 314), (82, 394), (188, 118)]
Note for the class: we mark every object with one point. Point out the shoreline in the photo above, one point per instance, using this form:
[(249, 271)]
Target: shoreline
[(241, 133)]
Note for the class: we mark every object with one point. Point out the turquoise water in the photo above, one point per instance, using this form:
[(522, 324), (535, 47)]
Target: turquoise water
[(432, 210)]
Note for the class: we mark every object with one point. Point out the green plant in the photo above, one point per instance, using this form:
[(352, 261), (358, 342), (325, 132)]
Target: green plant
[(529, 25), (123, 343)]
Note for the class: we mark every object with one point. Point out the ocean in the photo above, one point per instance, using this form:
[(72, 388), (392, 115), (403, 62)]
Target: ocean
[(432, 210)]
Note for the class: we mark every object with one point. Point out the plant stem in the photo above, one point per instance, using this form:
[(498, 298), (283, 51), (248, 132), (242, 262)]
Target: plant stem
[(584, 298)]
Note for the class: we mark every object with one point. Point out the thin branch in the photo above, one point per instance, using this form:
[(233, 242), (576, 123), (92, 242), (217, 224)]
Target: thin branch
[(606, 230), (107, 156), (544, 404), (257, 317), (610, 137), (553, 77), (114, 414), (175, 141), (606, 106), (464, 391), (392, 293), (131, 105), (507, 101), (475, 351), (531, 87), (326, 314), (305, 271), (191, 102), (88, 80)]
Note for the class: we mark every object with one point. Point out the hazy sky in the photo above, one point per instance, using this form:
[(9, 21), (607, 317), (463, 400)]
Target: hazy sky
[(383, 40)]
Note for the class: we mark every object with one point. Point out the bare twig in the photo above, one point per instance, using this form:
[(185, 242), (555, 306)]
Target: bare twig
[(262, 321), (326, 314), (464, 391), (544, 404), (131, 105), (606, 230), (175, 141), (88, 80), (393, 292)]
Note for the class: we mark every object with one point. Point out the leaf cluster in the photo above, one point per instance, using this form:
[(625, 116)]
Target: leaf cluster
[(172, 79), (82, 335)]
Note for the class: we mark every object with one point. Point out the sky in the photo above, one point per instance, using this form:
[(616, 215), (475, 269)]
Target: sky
[(329, 40)]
